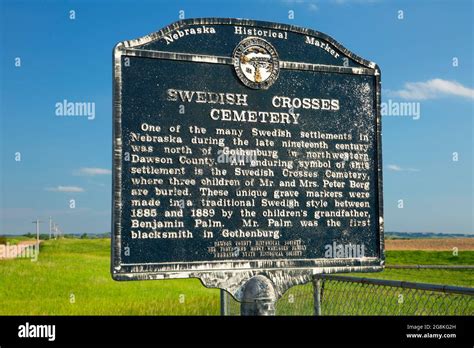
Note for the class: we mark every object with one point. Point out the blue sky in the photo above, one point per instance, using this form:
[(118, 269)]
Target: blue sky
[(64, 158)]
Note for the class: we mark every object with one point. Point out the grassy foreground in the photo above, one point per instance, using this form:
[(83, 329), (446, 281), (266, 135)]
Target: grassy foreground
[(71, 277)]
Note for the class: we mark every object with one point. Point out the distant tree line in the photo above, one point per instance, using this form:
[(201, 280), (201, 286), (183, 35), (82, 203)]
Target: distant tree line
[(45, 236)]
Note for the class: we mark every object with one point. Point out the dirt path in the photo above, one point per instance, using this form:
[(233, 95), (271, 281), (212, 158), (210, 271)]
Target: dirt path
[(438, 244)]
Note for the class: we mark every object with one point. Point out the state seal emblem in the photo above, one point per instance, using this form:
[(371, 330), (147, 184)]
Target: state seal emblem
[(256, 63)]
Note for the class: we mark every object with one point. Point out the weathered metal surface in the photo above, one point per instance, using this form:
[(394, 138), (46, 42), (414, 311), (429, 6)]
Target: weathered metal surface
[(260, 85), (258, 297)]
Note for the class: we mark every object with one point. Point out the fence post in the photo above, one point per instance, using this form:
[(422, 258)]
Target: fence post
[(224, 308), (317, 283)]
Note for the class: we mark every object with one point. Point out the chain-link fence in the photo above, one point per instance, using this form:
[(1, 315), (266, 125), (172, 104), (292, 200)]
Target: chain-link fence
[(343, 295)]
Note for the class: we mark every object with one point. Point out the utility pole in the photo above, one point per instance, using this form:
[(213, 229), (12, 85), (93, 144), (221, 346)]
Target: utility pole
[(37, 222), (50, 226), (57, 231)]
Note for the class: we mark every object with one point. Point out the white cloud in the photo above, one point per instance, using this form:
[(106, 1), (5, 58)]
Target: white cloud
[(432, 89), (394, 167), (342, 2), (291, 2), (397, 168), (65, 189), (87, 171), (312, 4)]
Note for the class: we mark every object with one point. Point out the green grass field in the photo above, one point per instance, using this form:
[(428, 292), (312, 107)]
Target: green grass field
[(460, 277), (71, 277)]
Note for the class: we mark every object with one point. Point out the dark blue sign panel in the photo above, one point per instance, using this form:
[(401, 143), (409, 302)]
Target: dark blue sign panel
[(242, 145)]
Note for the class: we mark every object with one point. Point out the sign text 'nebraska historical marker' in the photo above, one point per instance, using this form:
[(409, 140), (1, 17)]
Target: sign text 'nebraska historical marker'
[(244, 148)]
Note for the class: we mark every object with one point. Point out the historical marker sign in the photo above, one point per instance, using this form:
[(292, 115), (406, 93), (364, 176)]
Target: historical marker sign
[(244, 147)]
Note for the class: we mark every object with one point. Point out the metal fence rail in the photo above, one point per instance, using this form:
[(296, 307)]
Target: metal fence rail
[(430, 266), (344, 295)]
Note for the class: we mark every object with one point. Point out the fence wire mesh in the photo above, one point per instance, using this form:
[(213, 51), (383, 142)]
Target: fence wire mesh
[(357, 296)]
